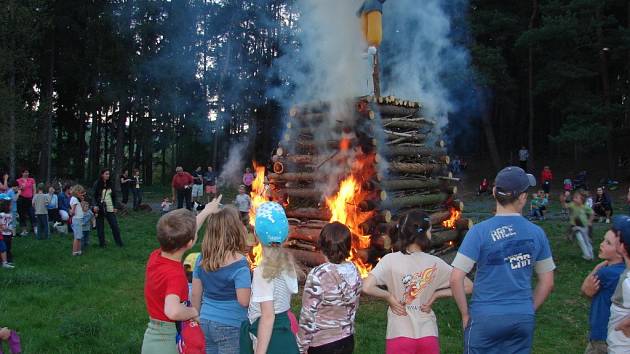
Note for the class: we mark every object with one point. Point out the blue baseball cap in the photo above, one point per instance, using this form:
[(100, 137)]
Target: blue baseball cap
[(271, 223), (621, 223), (512, 181)]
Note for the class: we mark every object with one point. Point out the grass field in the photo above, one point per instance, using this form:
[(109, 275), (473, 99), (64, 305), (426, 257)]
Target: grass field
[(94, 303)]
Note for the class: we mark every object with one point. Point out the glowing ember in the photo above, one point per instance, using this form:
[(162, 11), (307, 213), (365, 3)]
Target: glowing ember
[(257, 196), (455, 215), (344, 209)]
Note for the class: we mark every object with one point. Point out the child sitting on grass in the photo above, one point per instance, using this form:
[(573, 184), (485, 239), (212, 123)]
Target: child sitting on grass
[(88, 223), (165, 207), (618, 341), (331, 297), (273, 283), (6, 231), (414, 280), (538, 205), (165, 285), (581, 218), (222, 282), (599, 286)]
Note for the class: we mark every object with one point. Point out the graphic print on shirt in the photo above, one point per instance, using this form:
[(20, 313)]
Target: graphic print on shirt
[(415, 283), (502, 232), (517, 254)]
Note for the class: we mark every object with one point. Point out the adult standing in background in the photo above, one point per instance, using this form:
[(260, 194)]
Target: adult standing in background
[(182, 188), (125, 184), (105, 200), (197, 187), (136, 188), (210, 184), (26, 184), (523, 157)]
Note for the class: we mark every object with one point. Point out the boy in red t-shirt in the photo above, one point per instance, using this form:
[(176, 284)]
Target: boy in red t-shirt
[(166, 285)]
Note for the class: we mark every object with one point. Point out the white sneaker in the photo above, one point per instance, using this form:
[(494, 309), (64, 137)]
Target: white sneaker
[(7, 266)]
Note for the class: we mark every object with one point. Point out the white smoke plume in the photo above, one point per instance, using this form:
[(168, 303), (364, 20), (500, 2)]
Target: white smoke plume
[(233, 168)]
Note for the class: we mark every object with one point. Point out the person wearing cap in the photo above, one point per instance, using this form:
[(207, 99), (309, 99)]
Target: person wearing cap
[(273, 283), (618, 339), (506, 249)]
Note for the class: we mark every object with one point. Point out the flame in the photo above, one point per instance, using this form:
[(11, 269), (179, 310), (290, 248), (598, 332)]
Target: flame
[(455, 215), (258, 197), (344, 209)]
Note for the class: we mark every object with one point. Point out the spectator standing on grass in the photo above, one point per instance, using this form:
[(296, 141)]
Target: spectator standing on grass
[(165, 283), (546, 177), (76, 213), (7, 227), (599, 286), (248, 179), (331, 297), (13, 193), (210, 183), (618, 339), (414, 280), (136, 188), (523, 157), (64, 202), (603, 205), (53, 206), (40, 203), (25, 201), (243, 203), (125, 186), (507, 249), (89, 221), (181, 184), (197, 187), (105, 199), (221, 286)]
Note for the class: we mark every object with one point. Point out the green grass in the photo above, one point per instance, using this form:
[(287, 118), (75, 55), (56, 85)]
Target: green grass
[(94, 303)]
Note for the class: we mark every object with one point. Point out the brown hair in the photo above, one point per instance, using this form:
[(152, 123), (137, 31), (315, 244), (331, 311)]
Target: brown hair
[(176, 229), (411, 229), (225, 235), (505, 199), (335, 242)]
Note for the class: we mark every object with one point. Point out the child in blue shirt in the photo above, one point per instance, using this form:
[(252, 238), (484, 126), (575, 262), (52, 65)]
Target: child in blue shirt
[(599, 285)]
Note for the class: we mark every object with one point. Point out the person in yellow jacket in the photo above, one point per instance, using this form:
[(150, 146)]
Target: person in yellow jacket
[(371, 13)]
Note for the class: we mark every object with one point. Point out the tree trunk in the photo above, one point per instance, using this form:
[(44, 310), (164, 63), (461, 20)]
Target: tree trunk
[(391, 185), (12, 96), (309, 213), (604, 72), (119, 151), (486, 119), (48, 99), (416, 168), (414, 200), (530, 88)]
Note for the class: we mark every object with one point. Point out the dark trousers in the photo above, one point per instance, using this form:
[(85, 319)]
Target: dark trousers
[(523, 165), (184, 195), (113, 224), (8, 240), (26, 211), (137, 197), (43, 232), (125, 194), (342, 346)]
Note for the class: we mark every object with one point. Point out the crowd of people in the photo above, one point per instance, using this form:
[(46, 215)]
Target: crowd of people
[(240, 311)]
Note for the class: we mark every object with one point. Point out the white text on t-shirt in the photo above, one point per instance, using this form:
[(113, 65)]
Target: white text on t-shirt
[(502, 233)]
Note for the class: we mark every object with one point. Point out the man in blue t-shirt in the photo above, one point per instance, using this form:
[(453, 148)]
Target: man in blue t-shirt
[(507, 249)]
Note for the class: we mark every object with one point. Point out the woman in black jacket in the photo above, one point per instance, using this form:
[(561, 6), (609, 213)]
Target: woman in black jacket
[(105, 199), (603, 205)]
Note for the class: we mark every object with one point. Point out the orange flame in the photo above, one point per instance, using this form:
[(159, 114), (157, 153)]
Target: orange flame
[(258, 197), (344, 209), (455, 215)]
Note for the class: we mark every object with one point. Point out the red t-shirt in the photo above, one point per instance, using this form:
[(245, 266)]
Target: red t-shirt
[(27, 187), (182, 179), (163, 277), (546, 176)]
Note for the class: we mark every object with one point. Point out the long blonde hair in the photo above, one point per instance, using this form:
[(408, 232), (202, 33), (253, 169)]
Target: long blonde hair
[(276, 260), (225, 236)]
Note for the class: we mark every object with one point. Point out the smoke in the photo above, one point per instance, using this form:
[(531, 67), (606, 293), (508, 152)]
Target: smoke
[(232, 171)]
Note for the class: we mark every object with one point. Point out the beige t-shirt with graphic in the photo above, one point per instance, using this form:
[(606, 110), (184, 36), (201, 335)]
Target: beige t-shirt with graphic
[(412, 279)]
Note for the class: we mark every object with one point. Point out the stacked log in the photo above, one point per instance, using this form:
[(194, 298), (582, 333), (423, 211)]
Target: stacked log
[(391, 146)]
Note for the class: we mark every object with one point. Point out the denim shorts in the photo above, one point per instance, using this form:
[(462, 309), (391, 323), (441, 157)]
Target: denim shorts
[(499, 334), (3, 246), (77, 229), (220, 338)]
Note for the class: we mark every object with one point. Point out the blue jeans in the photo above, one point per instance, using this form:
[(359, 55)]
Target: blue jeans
[(220, 338), (137, 197), (85, 241), (499, 334), (42, 227)]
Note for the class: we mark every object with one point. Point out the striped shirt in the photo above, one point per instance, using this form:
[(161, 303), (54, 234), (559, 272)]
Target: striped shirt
[(278, 290)]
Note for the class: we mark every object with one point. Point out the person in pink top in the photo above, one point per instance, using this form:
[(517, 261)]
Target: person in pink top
[(25, 209), (248, 179)]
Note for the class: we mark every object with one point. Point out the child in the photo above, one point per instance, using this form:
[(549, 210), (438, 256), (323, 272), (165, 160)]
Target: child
[(581, 217), (12, 338), (273, 283), (243, 202), (248, 179), (617, 341), (483, 187), (538, 205), (88, 221), (546, 176), (414, 280), (565, 199), (76, 212), (567, 185), (222, 282), (165, 285), (53, 206), (14, 193), (331, 297), (599, 286), (166, 205), (40, 204), (6, 232)]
